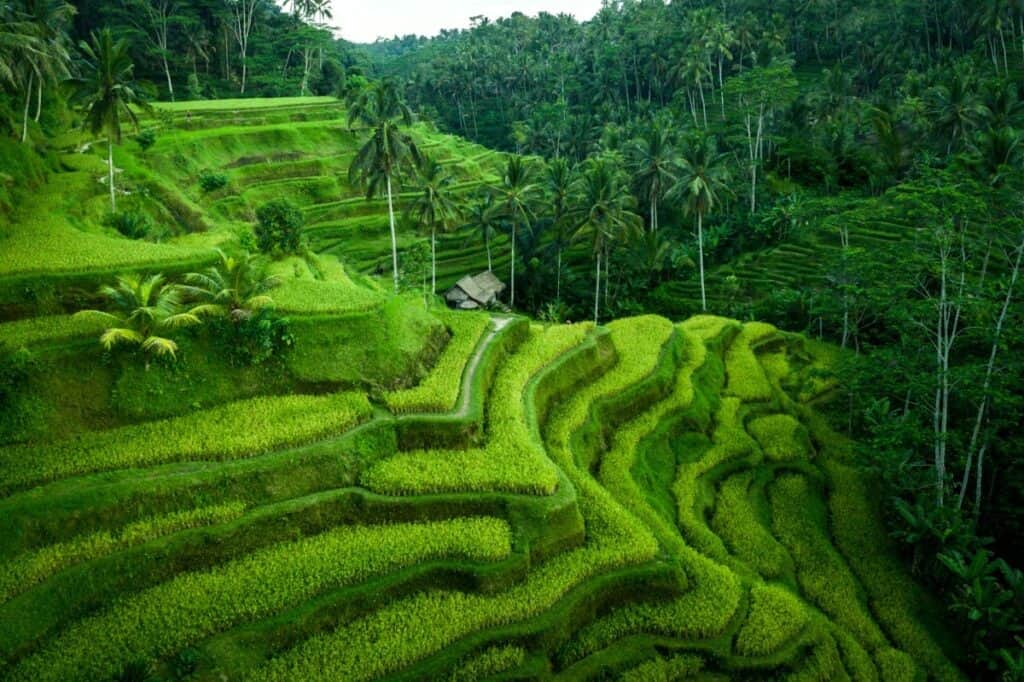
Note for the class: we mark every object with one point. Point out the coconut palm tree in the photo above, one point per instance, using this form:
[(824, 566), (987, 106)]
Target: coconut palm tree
[(653, 161), (559, 183), (234, 288), (514, 200), (50, 19), (107, 93), (481, 218), (604, 214), (21, 54), (142, 311), (703, 178), (435, 207), (387, 152)]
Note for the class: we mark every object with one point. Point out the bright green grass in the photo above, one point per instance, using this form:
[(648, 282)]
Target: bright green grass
[(241, 429), (166, 618), (52, 329), (30, 568), (240, 103), (439, 391)]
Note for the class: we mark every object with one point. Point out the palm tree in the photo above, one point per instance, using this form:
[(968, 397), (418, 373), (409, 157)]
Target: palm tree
[(22, 54), (435, 207), (653, 161), (703, 177), (514, 199), (107, 93), (559, 182), (482, 219), (955, 109), (49, 19), (388, 151), (604, 214), (234, 288), (144, 309)]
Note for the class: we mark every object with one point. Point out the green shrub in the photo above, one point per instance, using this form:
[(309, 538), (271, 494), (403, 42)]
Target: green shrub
[(253, 339), (775, 617), (30, 568), (146, 138), (164, 619), (279, 228), (242, 429), (211, 181), (131, 224)]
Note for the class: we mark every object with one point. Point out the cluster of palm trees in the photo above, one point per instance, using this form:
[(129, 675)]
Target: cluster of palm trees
[(145, 311), (592, 201), (35, 52)]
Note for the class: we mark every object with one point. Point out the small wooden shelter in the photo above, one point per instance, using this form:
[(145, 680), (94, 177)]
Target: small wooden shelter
[(477, 291)]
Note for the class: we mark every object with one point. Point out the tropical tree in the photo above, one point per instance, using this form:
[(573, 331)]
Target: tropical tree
[(143, 310), (107, 93), (604, 214), (514, 200), (435, 207), (482, 219), (50, 20), (233, 288), (388, 151), (652, 161), (703, 179), (559, 183)]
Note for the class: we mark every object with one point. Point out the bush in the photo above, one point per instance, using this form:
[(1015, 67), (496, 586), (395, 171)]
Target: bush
[(131, 224), (146, 138), (279, 228), (254, 339), (211, 181)]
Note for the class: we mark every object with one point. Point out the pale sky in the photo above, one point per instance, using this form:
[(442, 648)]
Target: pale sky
[(363, 21)]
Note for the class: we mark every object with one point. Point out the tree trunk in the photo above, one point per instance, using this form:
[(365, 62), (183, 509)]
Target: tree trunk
[(167, 72), (110, 172), (433, 260), (700, 251), (703, 104), (558, 276), (243, 72), (512, 283), (487, 244), (28, 100), (39, 100), (986, 385), (394, 236), (597, 286)]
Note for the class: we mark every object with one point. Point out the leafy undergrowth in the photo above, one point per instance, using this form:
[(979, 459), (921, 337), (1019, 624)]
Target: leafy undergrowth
[(647, 501)]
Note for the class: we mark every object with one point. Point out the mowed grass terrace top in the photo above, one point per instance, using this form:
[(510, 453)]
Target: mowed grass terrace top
[(241, 103)]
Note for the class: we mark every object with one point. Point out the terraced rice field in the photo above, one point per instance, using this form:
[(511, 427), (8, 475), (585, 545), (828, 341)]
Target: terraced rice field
[(647, 500)]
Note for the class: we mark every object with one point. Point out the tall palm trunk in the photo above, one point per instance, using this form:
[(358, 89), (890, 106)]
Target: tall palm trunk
[(512, 291), (558, 276), (433, 260), (39, 100), (700, 251), (597, 286), (110, 172), (487, 243), (167, 72), (28, 100), (394, 236)]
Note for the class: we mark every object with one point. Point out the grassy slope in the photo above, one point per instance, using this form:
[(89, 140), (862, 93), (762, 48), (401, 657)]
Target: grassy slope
[(666, 499)]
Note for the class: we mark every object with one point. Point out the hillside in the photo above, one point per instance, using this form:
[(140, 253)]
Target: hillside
[(408, 492)]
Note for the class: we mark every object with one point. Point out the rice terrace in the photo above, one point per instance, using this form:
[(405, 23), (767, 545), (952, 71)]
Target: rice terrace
[(635, 340)]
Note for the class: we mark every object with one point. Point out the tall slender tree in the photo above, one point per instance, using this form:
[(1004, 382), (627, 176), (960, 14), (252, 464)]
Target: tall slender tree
[(653, 161), (107, 92), (514, 200), (387, 153), (559, 183), (703, 179), (482, 219), (604, 214), (436, 207)]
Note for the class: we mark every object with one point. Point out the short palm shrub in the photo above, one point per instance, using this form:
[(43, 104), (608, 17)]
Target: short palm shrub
[(143, 312), (279, 228), (211, 181), (146, 139), (131, 224)]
